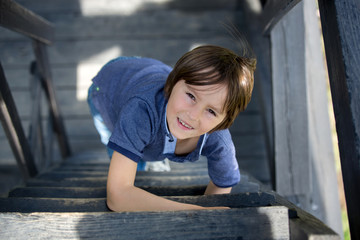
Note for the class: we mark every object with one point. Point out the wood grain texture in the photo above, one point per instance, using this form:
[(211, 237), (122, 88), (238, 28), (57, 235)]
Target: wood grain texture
[(264, 222), (44, 69), (290, 105), (12, 126), (304, 151), (30, 204), (303, 225), (274, 11), (20, 19), (340, 24)]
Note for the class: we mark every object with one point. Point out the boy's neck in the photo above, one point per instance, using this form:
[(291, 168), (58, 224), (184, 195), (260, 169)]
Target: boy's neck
[(186, 146)]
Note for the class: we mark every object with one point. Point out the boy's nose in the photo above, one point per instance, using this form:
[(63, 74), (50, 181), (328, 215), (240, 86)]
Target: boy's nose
[(194, 113)]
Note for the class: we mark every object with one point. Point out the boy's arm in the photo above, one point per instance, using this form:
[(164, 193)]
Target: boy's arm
[(122, 195), (213, 189)]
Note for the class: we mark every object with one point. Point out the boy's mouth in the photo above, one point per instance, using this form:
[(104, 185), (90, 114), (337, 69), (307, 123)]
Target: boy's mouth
[(184, 124)]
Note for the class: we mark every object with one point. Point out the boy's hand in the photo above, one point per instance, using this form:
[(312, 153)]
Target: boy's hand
[(122, 195), (213, 189)]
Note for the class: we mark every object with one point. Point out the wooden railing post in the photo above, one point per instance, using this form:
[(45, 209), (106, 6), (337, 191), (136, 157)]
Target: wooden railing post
[(12, 126), (304, 158), (340, 24), (44, 70), (19, 19)]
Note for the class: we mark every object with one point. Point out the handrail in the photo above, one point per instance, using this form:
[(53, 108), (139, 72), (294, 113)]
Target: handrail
[(274, 10), (340, 25), (340, 21), (15, 17), (14, 131)]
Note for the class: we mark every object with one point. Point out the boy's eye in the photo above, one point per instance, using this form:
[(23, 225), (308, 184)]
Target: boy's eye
[(191, 96), (212, 112)]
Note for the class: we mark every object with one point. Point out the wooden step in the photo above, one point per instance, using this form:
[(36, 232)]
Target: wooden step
[(99, 192), (139, 181), (99, 204), (246, 223), (63, 175), (145, 182)]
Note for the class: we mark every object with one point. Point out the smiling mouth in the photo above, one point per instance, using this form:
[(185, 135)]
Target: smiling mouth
[(184, 124)]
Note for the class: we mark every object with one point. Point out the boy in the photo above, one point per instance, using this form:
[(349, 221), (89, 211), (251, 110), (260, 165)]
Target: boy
[(152, 112)]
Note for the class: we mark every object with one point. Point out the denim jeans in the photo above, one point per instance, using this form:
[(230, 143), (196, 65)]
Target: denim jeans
[(103, 131)]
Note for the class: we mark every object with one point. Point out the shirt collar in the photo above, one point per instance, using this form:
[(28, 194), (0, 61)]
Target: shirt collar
[(170, 140)]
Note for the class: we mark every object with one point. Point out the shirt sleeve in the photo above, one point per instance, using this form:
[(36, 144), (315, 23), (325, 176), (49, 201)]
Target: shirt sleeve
[(223, 167), (133, 129)]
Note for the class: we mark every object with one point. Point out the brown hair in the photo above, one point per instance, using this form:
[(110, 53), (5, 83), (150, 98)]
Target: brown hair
[(207, 65)]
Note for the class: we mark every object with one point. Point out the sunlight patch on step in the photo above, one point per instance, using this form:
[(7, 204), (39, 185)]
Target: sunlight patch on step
[(88, 68), (116, 7)]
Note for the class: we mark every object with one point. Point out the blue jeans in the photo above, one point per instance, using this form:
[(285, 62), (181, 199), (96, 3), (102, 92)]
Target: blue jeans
[(103, 131)]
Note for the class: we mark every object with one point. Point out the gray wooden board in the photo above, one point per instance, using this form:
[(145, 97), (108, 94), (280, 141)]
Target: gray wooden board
[(101, 181), (303, 225), (340, 24), (248, 223), (99, 192), (115, 7), (61, 176), (99, 204), (19, 19), (291, 134), (274, 11), (9, 177), (76, 51), (144, 25)]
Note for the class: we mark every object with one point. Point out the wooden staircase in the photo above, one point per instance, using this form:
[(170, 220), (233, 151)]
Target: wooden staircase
[(69, 202)]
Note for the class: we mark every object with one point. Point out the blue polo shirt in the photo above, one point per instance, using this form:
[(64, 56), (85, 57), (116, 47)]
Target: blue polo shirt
[(130, 98)]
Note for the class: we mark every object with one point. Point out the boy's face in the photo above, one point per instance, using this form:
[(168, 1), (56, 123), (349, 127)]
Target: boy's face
[(195, 110)]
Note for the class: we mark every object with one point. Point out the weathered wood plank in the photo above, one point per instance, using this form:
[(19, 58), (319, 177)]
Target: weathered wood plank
[(43, 66), (100, 192), (140, 181), (249, 223), (36, 133), (245, 185), (20, 19), (140, 25), (274, 11), (340, 24), (11, 122), (93, 51), (290, 106), (60, 176), (303, 150), (303, 225), (9, 177), (251, 145), (324, 176), (96, 8), (99, 204)]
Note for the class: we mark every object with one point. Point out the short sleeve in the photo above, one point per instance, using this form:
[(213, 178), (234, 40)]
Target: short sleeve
[(223, 167), (133, 129)]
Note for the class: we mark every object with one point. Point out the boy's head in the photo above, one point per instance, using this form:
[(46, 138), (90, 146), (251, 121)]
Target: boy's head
[(208, 65)]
